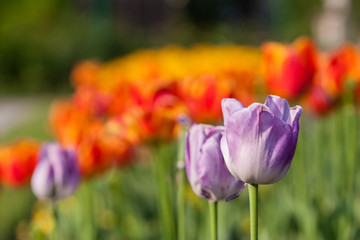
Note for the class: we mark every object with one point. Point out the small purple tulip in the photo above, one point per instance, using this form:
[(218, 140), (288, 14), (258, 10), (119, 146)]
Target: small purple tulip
[(205, 166), (57, 174), (260, 140)]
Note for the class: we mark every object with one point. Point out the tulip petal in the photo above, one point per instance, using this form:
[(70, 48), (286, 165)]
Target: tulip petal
[(205, 166), (279, 107), (211, 173), (279, 147), (41, 182), (233, 196), (295, 113), (229, 106), (71, 175), (260, 144), (225, 151), (194, 140)]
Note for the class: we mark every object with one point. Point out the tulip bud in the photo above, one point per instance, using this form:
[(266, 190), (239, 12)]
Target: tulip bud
[(260, 140), (205, 166), (57, 174)]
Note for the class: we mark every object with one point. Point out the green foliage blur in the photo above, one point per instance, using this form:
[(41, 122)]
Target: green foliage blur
[(40, 40)]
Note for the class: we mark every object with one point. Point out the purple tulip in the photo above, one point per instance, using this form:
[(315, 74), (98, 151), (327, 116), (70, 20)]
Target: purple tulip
[(57, 174), (205, 166), (260, 140)]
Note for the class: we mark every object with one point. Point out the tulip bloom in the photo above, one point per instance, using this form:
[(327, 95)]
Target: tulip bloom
[(205, 166), (344, 64), (17, 162), (260, 140), (289, 69), (56, 175)]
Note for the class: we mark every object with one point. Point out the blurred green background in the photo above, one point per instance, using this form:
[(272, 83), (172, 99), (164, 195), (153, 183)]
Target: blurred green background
[(41, 40)]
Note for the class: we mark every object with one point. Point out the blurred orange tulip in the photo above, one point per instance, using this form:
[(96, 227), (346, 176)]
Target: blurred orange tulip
[(159, 115), (99, 145), (18, 161), (343, 65), (92, 101), (289, 69), (202, 97), (90, 153), (103, 146), (334, 69), (68, 122), (85, 73)]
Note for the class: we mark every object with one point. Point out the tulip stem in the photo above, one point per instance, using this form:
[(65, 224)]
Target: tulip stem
[(163, 182), (55, 233), (213, 219), (253, 199), (181, 205), (180, 180)]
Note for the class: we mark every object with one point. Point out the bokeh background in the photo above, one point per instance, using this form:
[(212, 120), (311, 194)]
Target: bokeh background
[(42, 40), (40, 43)]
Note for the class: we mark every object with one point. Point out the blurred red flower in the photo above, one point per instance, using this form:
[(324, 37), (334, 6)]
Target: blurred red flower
[(18, 161), (289, 69), (202, 96)]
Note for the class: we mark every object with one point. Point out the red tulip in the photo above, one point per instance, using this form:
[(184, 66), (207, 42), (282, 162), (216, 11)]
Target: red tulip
[(342, 65), (18, 161), (289, 69)]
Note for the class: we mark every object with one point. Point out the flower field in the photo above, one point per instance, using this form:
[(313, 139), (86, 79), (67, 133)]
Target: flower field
[(120, 144)]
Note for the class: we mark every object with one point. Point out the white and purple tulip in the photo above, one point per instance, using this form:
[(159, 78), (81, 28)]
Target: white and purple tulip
[(259, 141), (57, 174), (205, 166)]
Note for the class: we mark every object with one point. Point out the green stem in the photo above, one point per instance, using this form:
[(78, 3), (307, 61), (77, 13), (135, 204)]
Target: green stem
[(213, 219), (163, 182), (350, 140), (181, 205), (253, 199), (180, 180), (87, 228), (55, 232)]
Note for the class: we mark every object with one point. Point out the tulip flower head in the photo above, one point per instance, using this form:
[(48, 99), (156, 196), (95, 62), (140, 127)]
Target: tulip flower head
[(260, 140), (18, 161), (205, 166), (289, 69), (56, 175)]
